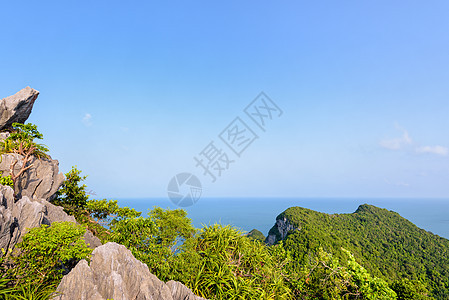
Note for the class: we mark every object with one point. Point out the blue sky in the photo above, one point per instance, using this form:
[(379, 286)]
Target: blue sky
[(131, 92)]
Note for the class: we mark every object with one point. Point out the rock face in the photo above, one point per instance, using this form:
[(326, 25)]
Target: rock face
[(279, 231), (16, 217), (41, 181), (17, 108), (35, 187), (181, 292), (114, 273)]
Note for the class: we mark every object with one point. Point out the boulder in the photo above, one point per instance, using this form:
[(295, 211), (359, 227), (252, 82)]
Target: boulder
[(16, 217), (114, 273), (41, 181), (17, 108)]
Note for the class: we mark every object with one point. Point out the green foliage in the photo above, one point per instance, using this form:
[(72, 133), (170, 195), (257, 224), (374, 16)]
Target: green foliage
[(45, 251), (107, 209), (387, 245), (231, 266), (104, 212), (5, 288), (35, 268), (154, 239), (29, 292), (323, 276), (256, 235), (407, 289), (72, 195), (21, 140), (369, 287), (6, 180)]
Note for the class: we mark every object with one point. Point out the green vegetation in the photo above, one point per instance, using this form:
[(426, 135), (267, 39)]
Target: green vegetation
[(72, 196), (323, 276), (36, 265), (231, 266), (96, 215), (21, 141), (7, 180), (387, 245), (220, 262), (387, 257), (256, 235)]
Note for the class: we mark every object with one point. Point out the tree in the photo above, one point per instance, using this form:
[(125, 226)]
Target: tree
[(407, 289), (72, 195)]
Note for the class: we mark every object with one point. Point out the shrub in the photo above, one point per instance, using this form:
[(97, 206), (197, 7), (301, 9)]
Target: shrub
[(21, 141), (45, 252), (231, 266)]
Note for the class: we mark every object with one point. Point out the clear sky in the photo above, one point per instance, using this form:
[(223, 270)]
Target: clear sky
[(132, 91)]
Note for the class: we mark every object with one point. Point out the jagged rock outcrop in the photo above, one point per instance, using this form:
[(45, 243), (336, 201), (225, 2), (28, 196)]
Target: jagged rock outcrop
[(17, 108), (41, 181), (35, 187), (114, 273), (180, 291), (16, 217), (280, 230)]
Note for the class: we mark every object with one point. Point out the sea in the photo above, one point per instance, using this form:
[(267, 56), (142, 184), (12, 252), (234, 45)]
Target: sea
[(260, 213)]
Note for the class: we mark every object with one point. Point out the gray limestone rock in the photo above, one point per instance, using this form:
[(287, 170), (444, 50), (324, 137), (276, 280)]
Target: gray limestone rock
[(114, 273), (17, 108), (181, 292), (41, 181), (16, 217), (279, 231)]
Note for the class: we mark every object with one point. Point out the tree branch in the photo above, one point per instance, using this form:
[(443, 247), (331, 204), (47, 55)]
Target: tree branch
[(24, 167)]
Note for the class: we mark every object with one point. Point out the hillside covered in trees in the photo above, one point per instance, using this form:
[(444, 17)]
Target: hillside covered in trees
[(387, 245)]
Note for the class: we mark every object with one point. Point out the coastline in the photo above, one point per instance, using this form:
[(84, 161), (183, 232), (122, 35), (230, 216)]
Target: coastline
[(430, 214)]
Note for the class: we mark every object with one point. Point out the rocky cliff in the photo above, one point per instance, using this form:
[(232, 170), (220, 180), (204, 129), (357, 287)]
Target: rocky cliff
[(280, 230), (113, 272), (30, 207)]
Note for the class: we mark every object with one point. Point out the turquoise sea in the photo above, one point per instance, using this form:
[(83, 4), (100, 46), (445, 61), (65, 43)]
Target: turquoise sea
[(260, 213)]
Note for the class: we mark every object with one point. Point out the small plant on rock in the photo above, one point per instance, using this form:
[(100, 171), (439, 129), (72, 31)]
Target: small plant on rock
[(21, 141)]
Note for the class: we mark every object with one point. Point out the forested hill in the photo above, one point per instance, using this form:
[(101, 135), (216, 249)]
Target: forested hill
[(386, 244)]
